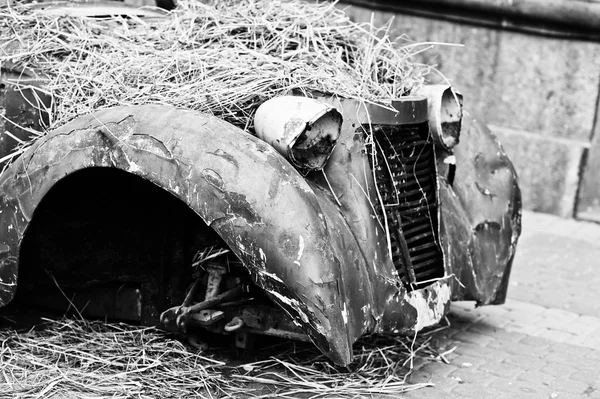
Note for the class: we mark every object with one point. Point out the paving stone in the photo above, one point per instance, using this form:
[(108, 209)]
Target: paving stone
[(538, 222), (482, 352), (525, 362), (446, 384), (520, 389), (591, 376), (585, 308), (578, 362), (478, 339), (519, 348), (549, 296), (589, 341), (579, 326), (536, 341), (568, 228), (485, 328), (421, 376), (520, 306), (593, 393), (568, 350), (547, 256), (442, 342), (477, 392), (501, 369), (564, 315), (440, 382), (524, 328), (472, 376), (594, 355), (558, 319), (558, 370), (536, 377), (526, 317), (465, 361), (591, 320), (451, 332), (583, 364), (525, 292), (436, 370), (555, 335), (569, 385), (499, 334), (493, 320)]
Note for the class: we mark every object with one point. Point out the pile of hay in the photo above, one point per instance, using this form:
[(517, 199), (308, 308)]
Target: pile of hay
[(223, 59), (74, 358)]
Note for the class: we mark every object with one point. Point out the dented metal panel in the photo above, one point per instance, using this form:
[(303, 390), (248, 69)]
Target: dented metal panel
[(288, 234), (313, 244), (480, 214)]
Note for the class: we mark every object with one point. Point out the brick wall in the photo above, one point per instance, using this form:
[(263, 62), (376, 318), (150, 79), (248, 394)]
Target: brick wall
[(538, 94)]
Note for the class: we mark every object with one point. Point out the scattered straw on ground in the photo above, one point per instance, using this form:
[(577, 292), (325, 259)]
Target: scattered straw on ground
[(224, 59), (75, 358)]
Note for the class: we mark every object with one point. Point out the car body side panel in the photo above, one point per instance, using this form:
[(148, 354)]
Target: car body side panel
[(348, 176), (268, 214), (480, 216)]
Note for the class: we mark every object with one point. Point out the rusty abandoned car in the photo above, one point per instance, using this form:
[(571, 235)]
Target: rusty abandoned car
[(335, 220)]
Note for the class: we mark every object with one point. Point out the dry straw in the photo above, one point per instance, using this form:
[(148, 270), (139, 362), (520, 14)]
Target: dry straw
[(224, 59), (75, 358)]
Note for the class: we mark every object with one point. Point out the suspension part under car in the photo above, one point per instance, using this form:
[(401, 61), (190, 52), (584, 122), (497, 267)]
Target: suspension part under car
[(230, 304)]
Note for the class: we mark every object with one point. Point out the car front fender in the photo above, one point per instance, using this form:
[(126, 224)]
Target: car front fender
[(286, 231)]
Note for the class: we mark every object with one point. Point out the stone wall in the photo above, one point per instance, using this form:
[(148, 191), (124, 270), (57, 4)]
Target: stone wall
[(538, 94)]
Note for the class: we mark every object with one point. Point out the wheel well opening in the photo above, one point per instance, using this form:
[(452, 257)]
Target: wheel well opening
[(110, 244)]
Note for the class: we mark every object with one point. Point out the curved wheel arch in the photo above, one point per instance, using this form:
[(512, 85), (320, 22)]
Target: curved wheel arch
[(242, 188)]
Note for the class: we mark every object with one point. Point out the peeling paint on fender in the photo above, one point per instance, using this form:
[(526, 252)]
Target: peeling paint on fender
[(431, 303)]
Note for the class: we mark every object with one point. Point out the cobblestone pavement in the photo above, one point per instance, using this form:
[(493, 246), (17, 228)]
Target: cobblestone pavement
[(545, 341)]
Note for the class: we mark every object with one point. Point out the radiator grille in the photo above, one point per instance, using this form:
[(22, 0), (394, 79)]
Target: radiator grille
[(404, 165)]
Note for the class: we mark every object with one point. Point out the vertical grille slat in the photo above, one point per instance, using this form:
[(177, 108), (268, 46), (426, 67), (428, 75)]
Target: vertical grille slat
[(404, 167)]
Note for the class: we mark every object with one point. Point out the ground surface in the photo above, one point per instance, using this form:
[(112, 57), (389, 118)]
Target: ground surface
[(545, 341)]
